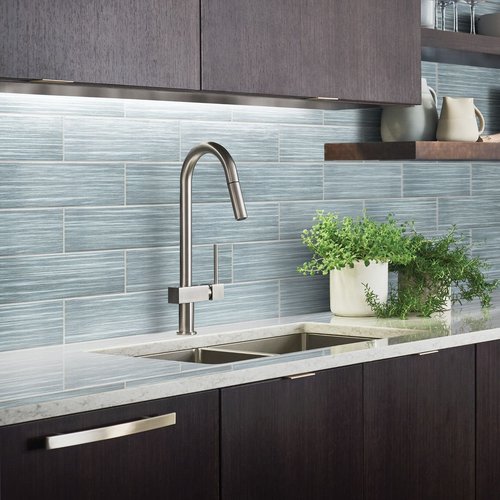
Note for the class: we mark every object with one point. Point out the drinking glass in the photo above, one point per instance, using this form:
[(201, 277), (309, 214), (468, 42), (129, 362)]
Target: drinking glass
[(442, 5), (473, 4), (455, 15)]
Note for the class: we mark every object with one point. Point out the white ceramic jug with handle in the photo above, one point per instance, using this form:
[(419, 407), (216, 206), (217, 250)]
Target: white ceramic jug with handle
[(411, 123), (458, 120)]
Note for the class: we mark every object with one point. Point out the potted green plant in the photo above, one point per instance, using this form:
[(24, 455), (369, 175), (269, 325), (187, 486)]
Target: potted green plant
[(355, 253), (443, 271)]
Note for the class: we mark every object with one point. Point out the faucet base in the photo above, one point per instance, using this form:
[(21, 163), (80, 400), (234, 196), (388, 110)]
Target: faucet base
[(187, 333)]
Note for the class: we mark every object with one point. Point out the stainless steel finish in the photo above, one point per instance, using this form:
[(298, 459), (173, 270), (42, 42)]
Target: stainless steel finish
[(110, 432), (301, 375), (188, 294), (51, 80), (258, 348), (186, 309), (216, 291), (295, 342), (208, 355), (320, 98), (427, 352), (199, 293)]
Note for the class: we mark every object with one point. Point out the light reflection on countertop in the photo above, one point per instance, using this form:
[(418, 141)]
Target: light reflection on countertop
[(58, 380)]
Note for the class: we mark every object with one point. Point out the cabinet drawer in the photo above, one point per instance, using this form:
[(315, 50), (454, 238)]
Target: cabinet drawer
[(154, 455)]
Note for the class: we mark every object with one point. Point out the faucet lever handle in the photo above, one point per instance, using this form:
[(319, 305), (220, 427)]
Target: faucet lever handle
[(216, 263), (217, 289)]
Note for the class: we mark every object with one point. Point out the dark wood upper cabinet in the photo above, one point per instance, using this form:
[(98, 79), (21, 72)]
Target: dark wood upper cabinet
[(488, 421), (420, 426), (178, 462), (294, 439), (347, 49), (149, 43)]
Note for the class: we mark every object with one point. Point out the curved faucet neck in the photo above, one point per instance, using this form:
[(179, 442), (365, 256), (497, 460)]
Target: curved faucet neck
[(186, 311)]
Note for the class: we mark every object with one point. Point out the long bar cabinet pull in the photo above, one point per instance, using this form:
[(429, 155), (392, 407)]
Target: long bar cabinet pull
[(301, 375), (110, 432)]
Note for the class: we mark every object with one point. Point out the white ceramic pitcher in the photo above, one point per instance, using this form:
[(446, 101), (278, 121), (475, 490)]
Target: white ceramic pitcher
[(411, 123), (458, 120)]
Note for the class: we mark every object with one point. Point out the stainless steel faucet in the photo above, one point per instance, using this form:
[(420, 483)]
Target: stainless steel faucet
[(186, 295)]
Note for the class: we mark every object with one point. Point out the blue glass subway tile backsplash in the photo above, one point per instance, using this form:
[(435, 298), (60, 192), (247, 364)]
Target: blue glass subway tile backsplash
[(54, 184), (89, 192)]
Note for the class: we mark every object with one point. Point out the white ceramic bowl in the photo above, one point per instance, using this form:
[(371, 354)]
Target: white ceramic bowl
[(489, 25)]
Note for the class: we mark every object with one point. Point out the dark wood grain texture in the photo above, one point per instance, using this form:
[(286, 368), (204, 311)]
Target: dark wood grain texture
[(419, 427), (178, 462), (152, 43), (293, 439), (488, 421), (420, 150), (460, 48), (308, 48)]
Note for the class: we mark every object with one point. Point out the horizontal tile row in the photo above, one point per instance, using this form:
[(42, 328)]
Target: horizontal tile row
[(156, 269), (99, 139), (149, 312), (24, 326), (25, 279), (52, 231), (159, 183), (38, 185), (93, 184)]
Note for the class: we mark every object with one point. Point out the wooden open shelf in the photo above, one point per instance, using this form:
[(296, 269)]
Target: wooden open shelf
[(460, 48), (407, 151)]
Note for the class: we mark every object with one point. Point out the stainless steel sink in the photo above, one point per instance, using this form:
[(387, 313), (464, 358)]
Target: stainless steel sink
[(294, 342), (209, 356), (259, 348)]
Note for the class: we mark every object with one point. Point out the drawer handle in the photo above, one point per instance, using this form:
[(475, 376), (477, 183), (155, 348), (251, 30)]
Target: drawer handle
[(427, 352), (110, 432), (301, 375)]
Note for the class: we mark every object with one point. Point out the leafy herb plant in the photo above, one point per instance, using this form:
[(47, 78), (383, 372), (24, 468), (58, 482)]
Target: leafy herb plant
[(439, 265), (337, 243)]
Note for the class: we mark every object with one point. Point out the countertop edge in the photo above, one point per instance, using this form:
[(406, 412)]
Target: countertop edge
[(203, 382)]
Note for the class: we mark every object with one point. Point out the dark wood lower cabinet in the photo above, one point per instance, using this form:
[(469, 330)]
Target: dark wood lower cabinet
[(419, 427), (398, 429), (488, 421), (295, 439), (179, 462)]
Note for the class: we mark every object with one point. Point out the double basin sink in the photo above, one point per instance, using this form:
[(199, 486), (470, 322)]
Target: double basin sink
[(259, 348)]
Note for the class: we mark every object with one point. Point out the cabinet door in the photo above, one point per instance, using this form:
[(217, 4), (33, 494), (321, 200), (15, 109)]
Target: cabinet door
[(178, 462), (488, 421), (419, 427), (348, 49), (293, 439), (151, 43)]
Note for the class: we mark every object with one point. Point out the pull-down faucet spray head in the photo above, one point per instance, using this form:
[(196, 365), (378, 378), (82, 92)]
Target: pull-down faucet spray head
[(232, 180)]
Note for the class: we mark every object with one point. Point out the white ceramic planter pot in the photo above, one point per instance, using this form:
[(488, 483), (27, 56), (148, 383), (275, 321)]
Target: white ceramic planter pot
[(347, 293)]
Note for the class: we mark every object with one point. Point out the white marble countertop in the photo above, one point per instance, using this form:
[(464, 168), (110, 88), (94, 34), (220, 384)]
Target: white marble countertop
[(52, 381)]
